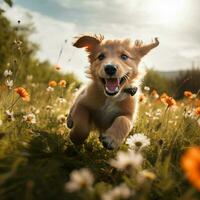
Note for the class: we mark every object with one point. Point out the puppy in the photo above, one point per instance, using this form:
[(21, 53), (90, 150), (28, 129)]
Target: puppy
[(105, 104)]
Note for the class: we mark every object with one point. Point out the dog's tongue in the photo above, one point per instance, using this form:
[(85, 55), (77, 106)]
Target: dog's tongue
[(112, 84)]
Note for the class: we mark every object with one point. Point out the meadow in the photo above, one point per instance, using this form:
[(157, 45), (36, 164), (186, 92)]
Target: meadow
[(38, 161), (159, 160)]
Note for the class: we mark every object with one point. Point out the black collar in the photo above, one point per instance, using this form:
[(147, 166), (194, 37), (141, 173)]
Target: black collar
[(132, 90)]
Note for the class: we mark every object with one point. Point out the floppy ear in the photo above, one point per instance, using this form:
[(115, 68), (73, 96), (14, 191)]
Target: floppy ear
[(88, 42), (142, 50)]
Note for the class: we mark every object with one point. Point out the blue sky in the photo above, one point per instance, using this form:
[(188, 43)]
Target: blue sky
[(175, 22)]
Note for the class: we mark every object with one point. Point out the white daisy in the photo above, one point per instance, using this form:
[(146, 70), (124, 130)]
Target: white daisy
[(61, 100), (138, 141), (34, 110), (30, 118), (10, 115), (49, 108), (61, 119), (29, 77), (146, 88), (119, 192), (79, 179), (144, 175), (9, 83), (7, 73), (127, 160), (50, 89)]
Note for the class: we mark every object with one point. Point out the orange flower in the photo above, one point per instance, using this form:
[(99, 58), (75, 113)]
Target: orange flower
[(197, 102), (22, 93), (57, 67), (62, 83), (52, 84), (163, 95), (188, 94), (169, 101), (154, 94), (142, 98), (190, 163), (197, 111)]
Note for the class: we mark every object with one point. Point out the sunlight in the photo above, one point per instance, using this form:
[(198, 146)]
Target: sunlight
[(171, 11)]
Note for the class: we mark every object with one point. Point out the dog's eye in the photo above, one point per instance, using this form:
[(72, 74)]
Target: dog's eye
[(124, 57), (101, 56)]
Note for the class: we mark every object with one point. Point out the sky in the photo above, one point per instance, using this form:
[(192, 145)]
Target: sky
[(174, 22)]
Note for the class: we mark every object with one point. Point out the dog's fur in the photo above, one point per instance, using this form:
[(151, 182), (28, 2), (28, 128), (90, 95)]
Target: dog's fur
[(94, 107)]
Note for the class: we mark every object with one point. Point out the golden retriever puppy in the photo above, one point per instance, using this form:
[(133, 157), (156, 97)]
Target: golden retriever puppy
[(105, 104)]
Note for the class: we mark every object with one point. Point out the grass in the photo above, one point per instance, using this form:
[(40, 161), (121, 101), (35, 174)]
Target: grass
[(36, 159)]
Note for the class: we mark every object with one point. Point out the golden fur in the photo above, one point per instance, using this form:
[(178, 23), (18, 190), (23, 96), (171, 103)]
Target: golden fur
[(93, 107)]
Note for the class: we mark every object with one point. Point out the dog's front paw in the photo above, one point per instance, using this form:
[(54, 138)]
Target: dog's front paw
[(109, 142)]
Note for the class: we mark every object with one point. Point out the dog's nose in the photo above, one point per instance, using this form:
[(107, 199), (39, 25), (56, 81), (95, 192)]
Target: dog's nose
[(110, 70)]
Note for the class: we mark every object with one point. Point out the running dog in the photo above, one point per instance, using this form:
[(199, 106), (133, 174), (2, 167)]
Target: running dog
[(108, 103)]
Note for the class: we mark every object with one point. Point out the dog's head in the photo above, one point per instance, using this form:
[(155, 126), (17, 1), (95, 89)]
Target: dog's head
[(114, 63)]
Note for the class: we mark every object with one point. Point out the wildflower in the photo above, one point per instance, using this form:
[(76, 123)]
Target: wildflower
[(7, 73), (49, 108), (61, 119), (22, 93), (61, 100), (57, 67), (1, 122), (169, 101), (50, 89), (52, 84), (148, 114), (145, 175), (164, 95), (10, 115), (138, 141), (146, 88), (30, 118), (62, 83), (79, 179), (9, 83), (188, 94), (154, 94), (127, 160), (190, 163), (29, 77), (119, 192), (197, 111), (142, 98), (189, 114), (34, 110)]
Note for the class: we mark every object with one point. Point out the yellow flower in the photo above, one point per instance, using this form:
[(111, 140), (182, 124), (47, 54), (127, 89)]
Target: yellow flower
[(190, 163), (22, 93), (52, 84), (62, 83)]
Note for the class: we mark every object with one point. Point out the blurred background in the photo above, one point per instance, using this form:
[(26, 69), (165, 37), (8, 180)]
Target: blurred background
[(47, 29)]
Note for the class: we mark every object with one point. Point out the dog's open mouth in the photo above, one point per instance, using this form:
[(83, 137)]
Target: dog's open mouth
[(112, 85)]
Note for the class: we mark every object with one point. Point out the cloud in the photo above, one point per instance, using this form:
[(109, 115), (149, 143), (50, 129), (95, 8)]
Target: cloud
[(50, 36), (176, 26)]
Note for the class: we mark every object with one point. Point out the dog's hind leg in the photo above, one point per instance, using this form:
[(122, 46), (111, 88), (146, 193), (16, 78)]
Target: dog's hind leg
[(79, 120), (115, 135)]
